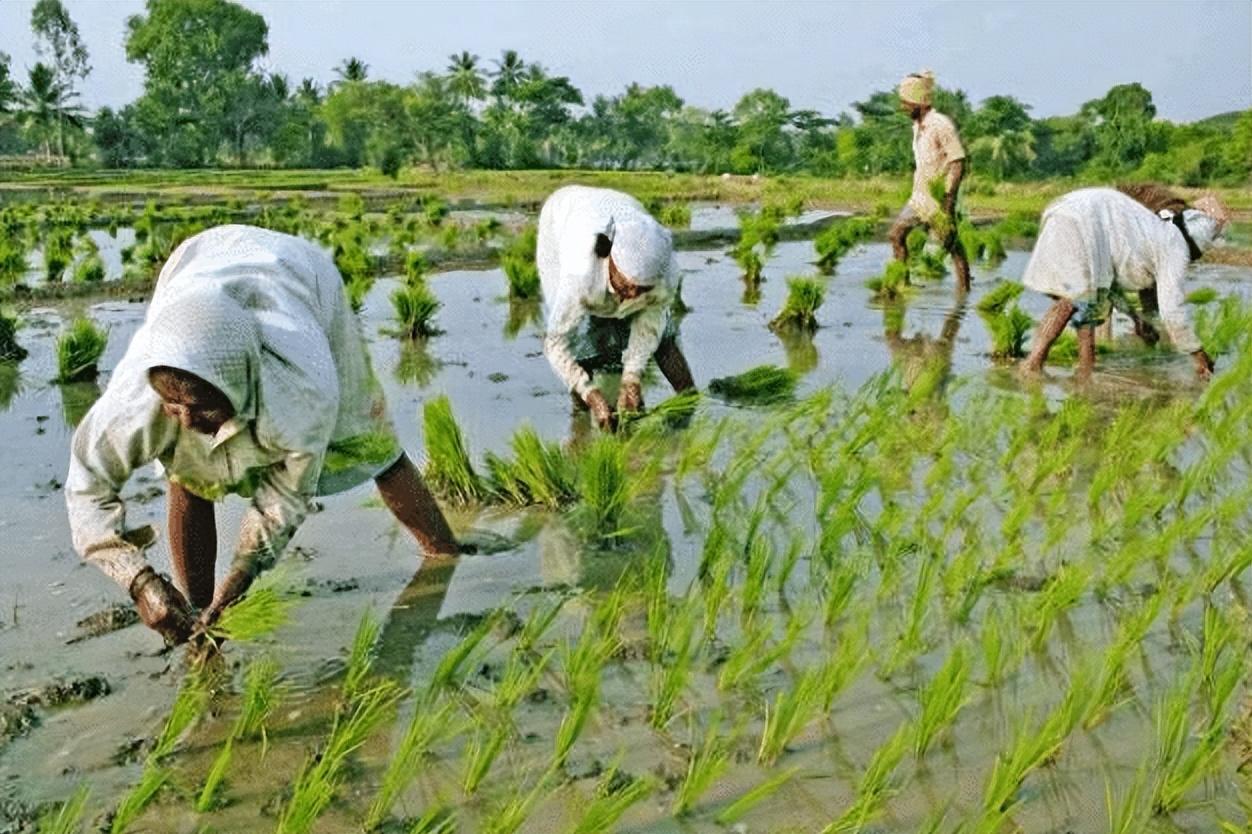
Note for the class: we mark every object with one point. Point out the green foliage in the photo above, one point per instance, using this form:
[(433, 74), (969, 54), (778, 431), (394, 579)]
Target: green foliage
[(79, 348), (892, 284), (840, 238), (518, 262), (10, 350), (258, 614), (449, 470), (415, 307), (762, 385), (67, 818), (539, 472), (1009, 328), (799, 311), (675, 215), (758, 235)]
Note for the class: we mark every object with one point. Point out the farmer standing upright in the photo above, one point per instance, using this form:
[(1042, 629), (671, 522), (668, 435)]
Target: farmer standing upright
[(249, 376), (609, 278), (1096, 243), (939, 164)]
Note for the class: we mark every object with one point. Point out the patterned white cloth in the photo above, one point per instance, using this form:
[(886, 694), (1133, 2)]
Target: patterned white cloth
[(264, 318), (1095, 239), (575, 282), (935, 146)]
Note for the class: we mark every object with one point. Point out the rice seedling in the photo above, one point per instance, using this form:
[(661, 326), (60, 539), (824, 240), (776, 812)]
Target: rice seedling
[(793, 708), (537, 623), (606, 489), (12, 259), (415, 306), (892, 283), (10, 350), (611, 800), (518, 679), (431, 723), (449, 471), (1063, 590), (1203, 295), (1008, 332), (539, 473), (1131, 815), (481, 751), (517, 259), (762, 385), (1176, 766), (207, 798), (90, 267), (941, 699), (675, 215), (66, 818), (58, 252), (999, 298), (138, 797), (758, 235), (259, 613), (708, 761), (735, 811), (876, 785), (320, 775), (361, 656), (437, 820), (673, 636), (508, 816), (451, 667), (799, 311), (839, 238), (671, 413), (582, 701), (79, 348)]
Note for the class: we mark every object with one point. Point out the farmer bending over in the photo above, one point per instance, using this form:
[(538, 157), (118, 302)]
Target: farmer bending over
[(248, 376), (608, 275), (1096, 243), (938, 156)]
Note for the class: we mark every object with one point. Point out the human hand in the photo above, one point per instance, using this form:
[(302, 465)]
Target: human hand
[(601, 411), (630, 398), (162, 607), (228, 591), (1203, 365)]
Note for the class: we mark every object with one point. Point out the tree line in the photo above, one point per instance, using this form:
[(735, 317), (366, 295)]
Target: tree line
[(206, 101)]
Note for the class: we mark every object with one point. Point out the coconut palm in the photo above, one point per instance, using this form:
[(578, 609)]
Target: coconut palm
[(508, 74), (352, 69), (309, 92), (465, 79), (46, 106), (8, 88)]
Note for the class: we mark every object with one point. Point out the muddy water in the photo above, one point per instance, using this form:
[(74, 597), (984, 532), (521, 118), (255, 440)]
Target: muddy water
[(351, 555)]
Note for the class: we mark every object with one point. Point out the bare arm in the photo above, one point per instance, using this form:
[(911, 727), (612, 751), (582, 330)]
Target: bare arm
[(952, 184)]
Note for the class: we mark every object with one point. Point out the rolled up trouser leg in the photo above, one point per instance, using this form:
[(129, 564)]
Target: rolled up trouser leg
[(1048, 331)]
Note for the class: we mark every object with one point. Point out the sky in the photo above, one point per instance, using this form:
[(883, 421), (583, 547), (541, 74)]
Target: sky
[(1195, 57)]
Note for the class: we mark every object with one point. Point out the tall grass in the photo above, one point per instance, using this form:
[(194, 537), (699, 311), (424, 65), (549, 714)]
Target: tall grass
[(79, 348)]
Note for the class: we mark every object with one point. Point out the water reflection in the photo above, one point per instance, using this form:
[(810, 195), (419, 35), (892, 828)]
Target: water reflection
[(924, 362), (415, 365), (76, 399), (522, 312), (800, 349)]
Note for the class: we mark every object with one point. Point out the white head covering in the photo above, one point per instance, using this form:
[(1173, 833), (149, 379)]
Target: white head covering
[(918, 87), (642, 249), (1204, 228)]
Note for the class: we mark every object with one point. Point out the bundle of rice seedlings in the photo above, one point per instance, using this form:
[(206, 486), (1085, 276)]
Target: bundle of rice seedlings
[(415, 307), (449, 471), (10, 350), (611, 801), (259, 613), (1008, 330), (58, 252), (90, 268), (893, 283), (12, 259), (1000, 296), (675, 215), (518, 262), (539, 473), (1204, 295), (838, 239), (79, 349), (415, 266), (605, 486), (799, 312), (671, 413), (762, 385)]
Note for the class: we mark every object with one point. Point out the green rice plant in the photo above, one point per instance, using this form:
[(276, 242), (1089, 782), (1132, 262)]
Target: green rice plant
[(415, 307), (733, 812), (518, 679), (911, 640), (537, 623), (58, 252), (66, 818), (1111, 680), (438, 819), (79, 348), (876, 785), (582, 702), (90, 267), (671, 413), (188, 706), (451, 667), (481, 751), (1203, 295), (674, 644), (1009, 329), (1131, 815), (675, 215), (794, 707), (999, 298), (760, 560), (435, 209), (1223, 326), (1063, 590), (13, 264), (431, 723), (846, 661), (758, 235), (258, 614), (10, 350), (836, 240), (138, 797), (1177, 767), (762, 385), (708, 761), (517, 259), (260, 696), (207, 798), (361, 656), (611, 801), (320, 775), (799, 311), (606, 489), (941, 699), (749, 660), (508, 816), (892, 283), (449, 471), (415, 266), (539, 473)]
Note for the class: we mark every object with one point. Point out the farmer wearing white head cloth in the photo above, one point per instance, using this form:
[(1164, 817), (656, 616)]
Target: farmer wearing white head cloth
[(1096, 243), (248, 376), (938, 157), (608, 275)]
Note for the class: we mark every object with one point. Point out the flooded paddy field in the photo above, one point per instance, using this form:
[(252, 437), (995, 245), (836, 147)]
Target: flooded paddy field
[(917, 594)]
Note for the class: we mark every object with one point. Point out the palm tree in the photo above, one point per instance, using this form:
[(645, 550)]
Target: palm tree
[(352, 69), (465, 80), (508, 74), (46, 106), (8, 88), (309, 92)]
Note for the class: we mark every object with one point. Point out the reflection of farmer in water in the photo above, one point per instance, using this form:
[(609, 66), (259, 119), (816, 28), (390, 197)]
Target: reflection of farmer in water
[(248, 376), (924, 362), (938, 156), (608, 275), (1096, 243)]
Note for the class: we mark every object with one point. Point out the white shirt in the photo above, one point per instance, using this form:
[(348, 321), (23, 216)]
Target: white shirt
[(575, 282), (935, 146), (1095, 238)]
